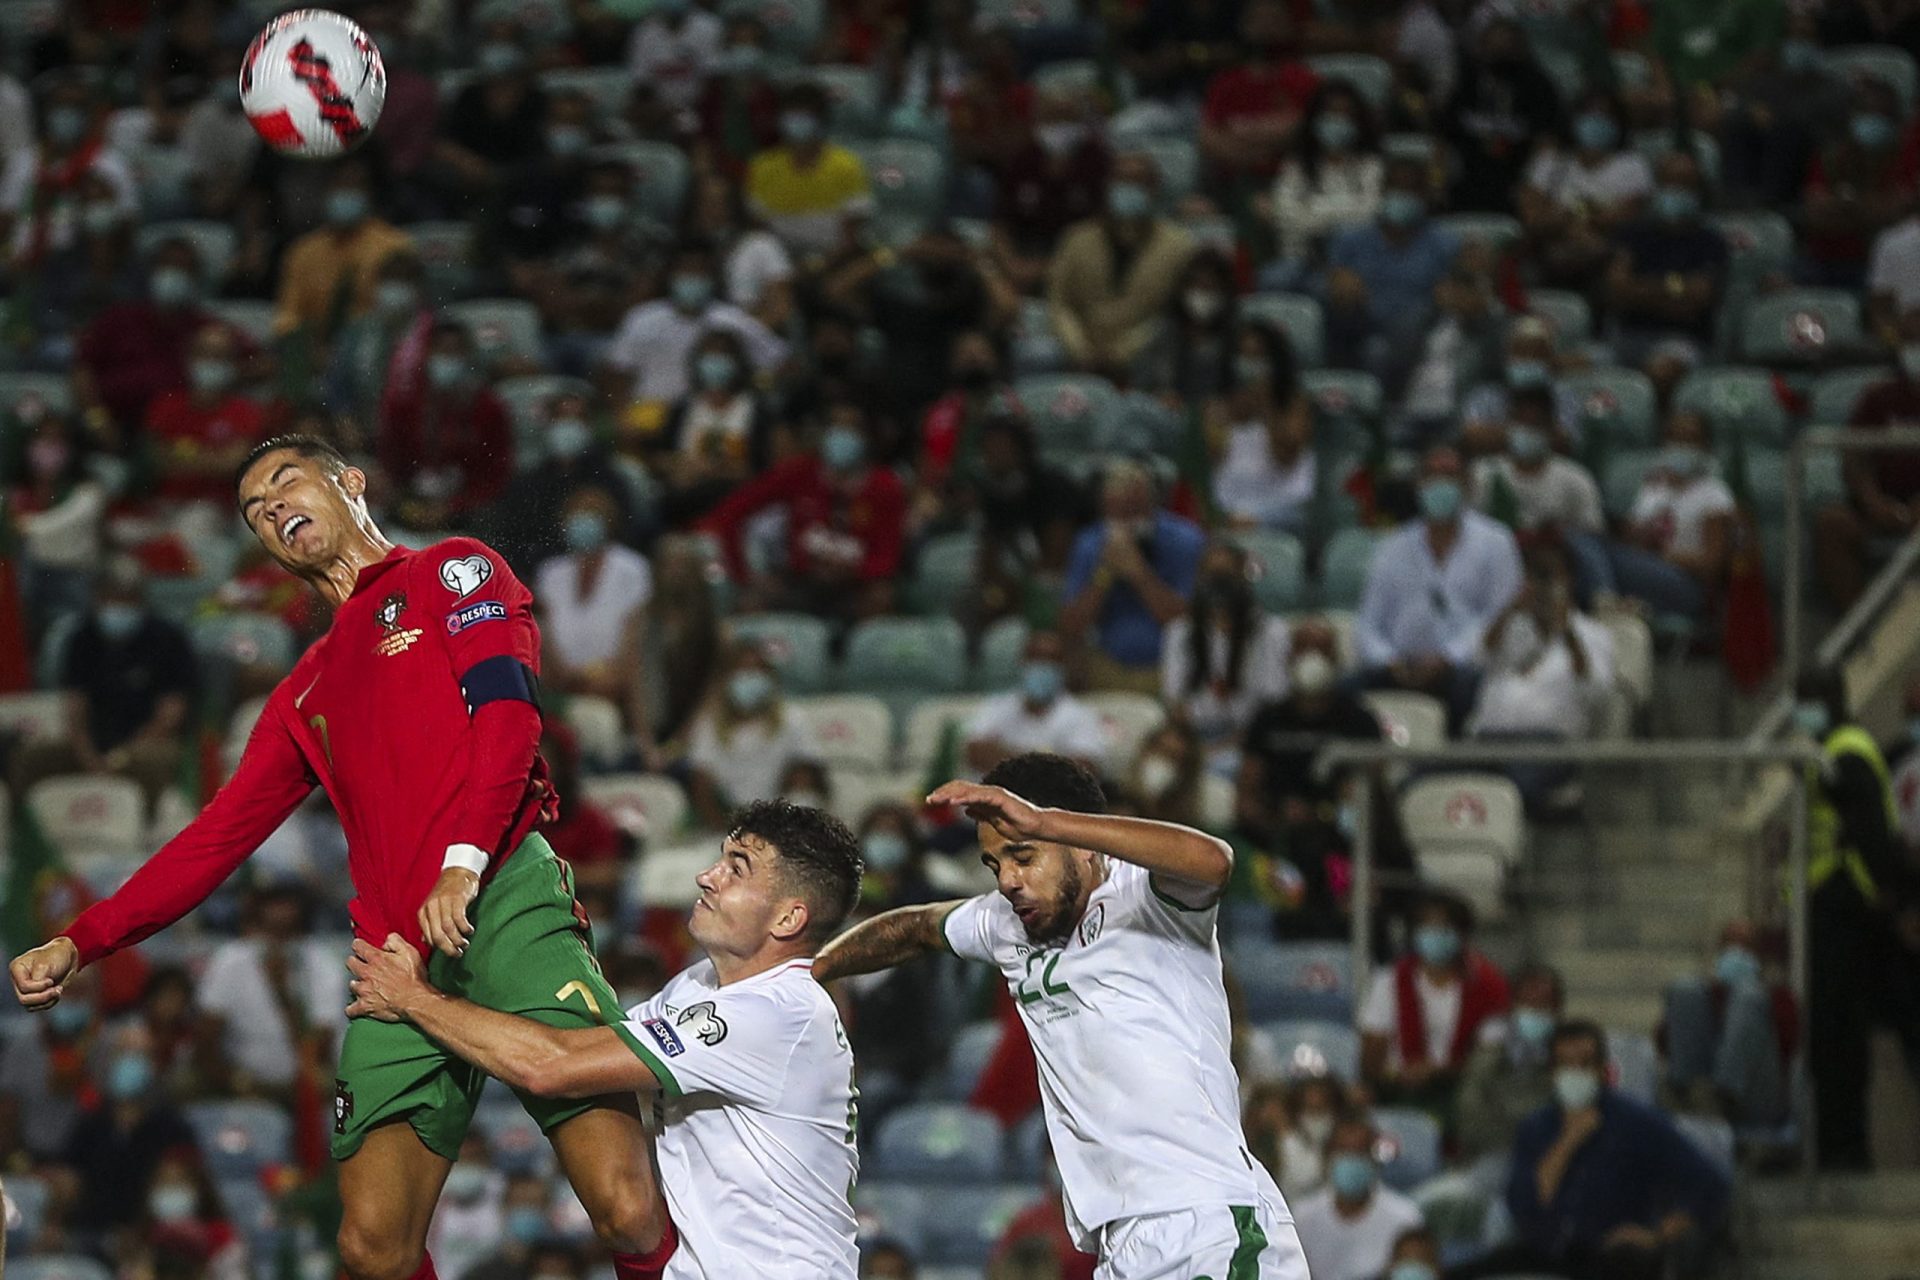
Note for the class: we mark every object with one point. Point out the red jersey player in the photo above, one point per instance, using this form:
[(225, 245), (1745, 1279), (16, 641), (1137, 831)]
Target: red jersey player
[(418, 713)]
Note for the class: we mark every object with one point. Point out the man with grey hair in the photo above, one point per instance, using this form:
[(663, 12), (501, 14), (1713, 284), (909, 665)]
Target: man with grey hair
[(1128, 576)]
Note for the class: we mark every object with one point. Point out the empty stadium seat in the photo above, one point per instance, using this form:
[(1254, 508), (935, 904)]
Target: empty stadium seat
[(1126, 719), (943, 572), (1414, 720), (1067, 410), (1343, 569), (33, 716), (1565, 312), (29, 1196), (855, 791), (164, 174), (1178, 162), (1625, 473), (1296, 315), (937, 1142), (1410, 1146), (1888, 63), (249, 639), (1000, 655), (606, 87), (911, 655), (1346, 409), (970, 1220), (846, 729), (1278, 564), (967, 1058), (254, 319), (853, 93), (908, 177), (1800, 326), (91, 814), (794, 26), (650, 805), (215, 242), (1370, 77), (1467, 831), (238, 1139), (892, 1210), (500, 326), (795, 643), (1713, 1136), (446, 251), (664, 877), (1315, 1048), (661, 174), (1737, 401), (1834, 394), (1497, 231), (57, 1266), (929, 722), (1022, 15), (1619, 404), (1294, 981), (1635, 1065), (18, 390), (595, 722)]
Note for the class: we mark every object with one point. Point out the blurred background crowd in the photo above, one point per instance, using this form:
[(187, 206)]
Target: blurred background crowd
[(869, 390)]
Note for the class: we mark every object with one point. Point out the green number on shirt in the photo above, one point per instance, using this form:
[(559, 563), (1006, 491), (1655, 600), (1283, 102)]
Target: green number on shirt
[(1027, 992)]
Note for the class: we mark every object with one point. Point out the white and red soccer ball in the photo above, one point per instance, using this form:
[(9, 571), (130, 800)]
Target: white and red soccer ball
[(312, 84)]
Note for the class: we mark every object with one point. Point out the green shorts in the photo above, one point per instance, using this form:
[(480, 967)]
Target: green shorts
[(531, 954)]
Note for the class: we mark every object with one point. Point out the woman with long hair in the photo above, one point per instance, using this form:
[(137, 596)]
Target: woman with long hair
[(1261, 436), (1224, 657), (741, 741)]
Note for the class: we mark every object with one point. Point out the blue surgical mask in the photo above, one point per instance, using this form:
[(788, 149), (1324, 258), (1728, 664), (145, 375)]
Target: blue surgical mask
[(395, 298), (1440, 499), (1437, 943), (1352, 1176), (173, 1203), (884, 850), (603, 212), (1872, 130), (1576, 1088), (1596, 131), (749, 690), (499, 59), (1402, 209), (1526, 444), (692, 292), (1676, 204), (129, 1076), (1913, 730), (69, 1018), (1042, 681), (1528, 373), (566, 140), (171, 287), (1799, 56), (568, 438), (1532, 1027), (1737, 967), (1811, 719), (1412, 1269), (526, 1224), (344, 208), (586, 530), (445, 370), (1336, 133), (799, 127), (714, 370), (1683, 460), (842, 448), (1128, 200), (118, 621), (211, 376), (65, 125)]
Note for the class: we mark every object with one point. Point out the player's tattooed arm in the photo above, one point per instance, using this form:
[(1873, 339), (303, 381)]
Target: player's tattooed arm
[(884, 941)]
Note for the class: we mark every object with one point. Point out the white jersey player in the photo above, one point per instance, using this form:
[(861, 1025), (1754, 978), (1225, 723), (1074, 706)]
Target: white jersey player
[(743, 1053), (1104, 930)]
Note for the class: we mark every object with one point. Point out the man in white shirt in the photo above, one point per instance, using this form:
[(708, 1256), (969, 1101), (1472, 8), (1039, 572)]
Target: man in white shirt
[(742, 1054), (1544, 489), (1434, 587), (266, 993), (674, 50), (1348, 1228), (655, 340), (1893, 273), (1038, 716), (1104, 930)]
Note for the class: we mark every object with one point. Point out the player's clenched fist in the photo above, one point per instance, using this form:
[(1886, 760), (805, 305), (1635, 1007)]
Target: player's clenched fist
[(40, 974), (443, 917)]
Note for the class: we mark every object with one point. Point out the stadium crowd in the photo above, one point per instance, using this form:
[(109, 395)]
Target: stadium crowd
[(872, 390)]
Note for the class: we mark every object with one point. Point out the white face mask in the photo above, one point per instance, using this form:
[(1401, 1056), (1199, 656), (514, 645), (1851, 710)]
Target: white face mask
[(1316, 1127), (1313, 673), (1157, 775)]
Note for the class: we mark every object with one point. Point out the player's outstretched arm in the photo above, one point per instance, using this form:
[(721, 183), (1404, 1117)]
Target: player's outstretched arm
[(1166, 849), (884, 941), (390, 984)]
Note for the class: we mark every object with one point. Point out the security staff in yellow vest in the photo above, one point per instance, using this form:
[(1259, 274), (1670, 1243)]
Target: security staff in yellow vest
[(1860, 973)]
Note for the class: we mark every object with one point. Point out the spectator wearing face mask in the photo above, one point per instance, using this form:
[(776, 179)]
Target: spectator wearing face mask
[(755, 267), (43, 1073), (950, 429), (1381, 275), (183, 1228), (527, 525), (1730, 1037), (1579, 188), (739, 107), (129, 676), (1664, 284), (327, 276), (1858, 184), (1112, 275), (526, 1214), (1678, 543), (497, 123), (675, 48), (650, 357), (896, 1019), (1333, 181), (1602, 1186), (1190, 358), (51, 502), (1128, 577), (1434, 587), (535, 211), (1288, 1127), (1028, 513), (1038, 716), (1049, 183), (1777, 108), (1265, 475), (808, 191), (1349, 1227), (121, 1137), (716, 436), (1883, 486), (48, 190), (1416, 1256), (1508, 1078), (846, 524), (445, 441), (1538, 490), (201, 433), (271, 1000), (1423, 1016), (1225, 657), (1531, 364), (1164, 783), (739, 744), (1251, 114), (364, 356)]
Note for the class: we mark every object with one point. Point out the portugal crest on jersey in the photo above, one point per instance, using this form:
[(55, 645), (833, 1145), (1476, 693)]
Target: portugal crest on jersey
[(396, 639)]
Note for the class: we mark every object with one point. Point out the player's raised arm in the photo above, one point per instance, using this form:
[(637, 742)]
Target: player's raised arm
[(1167, 850), (889, 938)]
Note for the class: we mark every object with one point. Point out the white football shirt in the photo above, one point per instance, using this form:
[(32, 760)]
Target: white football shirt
[(1128, 1019), (755, 1127)]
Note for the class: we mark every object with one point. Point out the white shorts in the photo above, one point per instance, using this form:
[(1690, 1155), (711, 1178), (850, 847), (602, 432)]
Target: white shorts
[(1217, 1242)]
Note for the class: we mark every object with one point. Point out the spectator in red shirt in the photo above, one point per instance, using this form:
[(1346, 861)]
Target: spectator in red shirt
[(133, 351), (1253, 110), (1424, 1015), (1883, 488), (584, 835), (1857, 186), (1038, 1233), (200, 433), (445, 440), (846, 520)]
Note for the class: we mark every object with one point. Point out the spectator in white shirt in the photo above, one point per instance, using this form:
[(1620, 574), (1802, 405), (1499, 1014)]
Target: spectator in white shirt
[(674, 50), (649, 353), (1261, 436), (1039, 716), (1532, 364), (1679, 537), (1546, 491), (1225, 656), (1549, 669), (271, 998), (1893, 274), (741, 742), (1349, 1228), (1434, 587), (1334, 180), (755, 267), (1579, 190)]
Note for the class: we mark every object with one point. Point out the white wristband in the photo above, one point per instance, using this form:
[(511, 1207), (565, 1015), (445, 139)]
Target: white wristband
[(467, 857)]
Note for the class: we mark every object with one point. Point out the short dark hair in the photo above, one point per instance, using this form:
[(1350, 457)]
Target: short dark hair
[(1051, 781), (817, 853), (1569, 1029), (304, 446), (1538, 972)]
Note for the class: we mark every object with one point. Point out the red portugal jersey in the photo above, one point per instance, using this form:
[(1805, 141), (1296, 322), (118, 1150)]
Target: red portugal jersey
[(417, 712)]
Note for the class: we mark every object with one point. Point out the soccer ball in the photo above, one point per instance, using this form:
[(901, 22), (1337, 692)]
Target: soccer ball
[(312, 84)]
